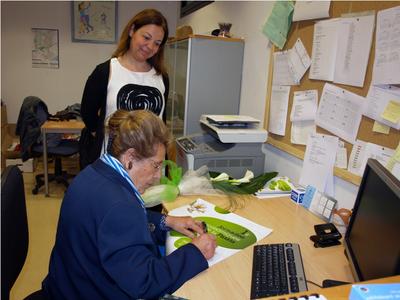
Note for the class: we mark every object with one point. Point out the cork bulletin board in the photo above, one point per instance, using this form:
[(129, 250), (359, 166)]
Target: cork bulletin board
[(305, 30)]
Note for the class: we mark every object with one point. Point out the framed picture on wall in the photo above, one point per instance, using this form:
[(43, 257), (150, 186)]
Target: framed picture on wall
[(45, 52), (94, 21)]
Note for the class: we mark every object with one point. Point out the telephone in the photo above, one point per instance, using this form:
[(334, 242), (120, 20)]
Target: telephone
[(326, 235)]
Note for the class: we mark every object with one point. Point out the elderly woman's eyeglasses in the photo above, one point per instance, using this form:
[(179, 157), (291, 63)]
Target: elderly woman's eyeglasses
[(156, 165)]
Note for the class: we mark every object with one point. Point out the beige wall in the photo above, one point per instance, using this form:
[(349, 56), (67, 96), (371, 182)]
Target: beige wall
[(57, 87)]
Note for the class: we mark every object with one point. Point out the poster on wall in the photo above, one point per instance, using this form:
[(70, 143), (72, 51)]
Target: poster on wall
[(94, 21), (45, 52)]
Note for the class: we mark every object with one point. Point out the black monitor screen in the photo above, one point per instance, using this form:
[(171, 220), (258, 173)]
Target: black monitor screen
[(372, 239)]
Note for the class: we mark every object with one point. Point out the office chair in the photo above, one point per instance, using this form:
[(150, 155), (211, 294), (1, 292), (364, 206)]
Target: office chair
[(64, 149), (14, 230), (32, 115)]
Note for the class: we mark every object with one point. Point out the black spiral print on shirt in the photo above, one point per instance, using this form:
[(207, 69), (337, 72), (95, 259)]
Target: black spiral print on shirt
[(136, 97)]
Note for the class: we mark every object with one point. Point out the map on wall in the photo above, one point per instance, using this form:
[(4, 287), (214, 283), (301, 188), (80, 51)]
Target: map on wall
[(45, 53), (233, 232)]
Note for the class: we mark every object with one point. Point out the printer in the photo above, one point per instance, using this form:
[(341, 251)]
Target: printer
[(229, 143)]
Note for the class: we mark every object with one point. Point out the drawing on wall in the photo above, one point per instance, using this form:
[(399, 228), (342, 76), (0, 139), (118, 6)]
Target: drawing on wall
[(94, 21), (45, 52)]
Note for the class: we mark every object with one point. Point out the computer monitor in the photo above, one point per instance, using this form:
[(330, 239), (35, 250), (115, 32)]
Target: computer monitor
[(372, 240)]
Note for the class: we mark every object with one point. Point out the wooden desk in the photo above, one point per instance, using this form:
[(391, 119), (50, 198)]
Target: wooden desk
[(231, 278), (72, 126)]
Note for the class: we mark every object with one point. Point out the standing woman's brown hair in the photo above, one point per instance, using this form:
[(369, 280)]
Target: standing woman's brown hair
[(145, 17)]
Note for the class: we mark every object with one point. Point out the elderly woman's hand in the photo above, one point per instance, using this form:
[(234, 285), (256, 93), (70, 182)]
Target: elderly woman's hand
[(206, 243), (185, 225)]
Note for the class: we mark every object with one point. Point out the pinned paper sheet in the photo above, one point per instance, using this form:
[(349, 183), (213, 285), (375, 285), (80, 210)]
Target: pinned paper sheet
[(278, 24), (319, 160), (392, 112), (380, 128), (282, 74), (299, 60), (356, 35), (394, 159), (362, 151), (377, 100), (305, 104), (324, 50), (301, 130), (308, 10), (341, 156), (278, 109), (339, 112), (387, 60)]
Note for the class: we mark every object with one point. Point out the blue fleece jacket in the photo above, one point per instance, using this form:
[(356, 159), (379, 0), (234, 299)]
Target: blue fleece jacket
[(105, 248)]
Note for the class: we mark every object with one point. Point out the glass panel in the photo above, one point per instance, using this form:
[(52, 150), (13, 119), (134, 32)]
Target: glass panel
[(180, 87), (170, 65)]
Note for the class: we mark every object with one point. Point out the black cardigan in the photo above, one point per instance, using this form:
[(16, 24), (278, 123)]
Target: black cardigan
[(93, 110)]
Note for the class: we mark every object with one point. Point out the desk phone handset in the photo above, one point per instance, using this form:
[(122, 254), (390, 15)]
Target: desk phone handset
[(327, 235)]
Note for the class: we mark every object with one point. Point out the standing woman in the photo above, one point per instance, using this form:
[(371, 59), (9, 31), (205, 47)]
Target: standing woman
[(134, 78)]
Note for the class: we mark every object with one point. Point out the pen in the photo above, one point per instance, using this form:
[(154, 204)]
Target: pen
[(204, 226)]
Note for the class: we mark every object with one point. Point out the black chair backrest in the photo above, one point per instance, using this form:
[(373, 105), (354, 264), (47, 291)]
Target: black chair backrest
[(14, 228)]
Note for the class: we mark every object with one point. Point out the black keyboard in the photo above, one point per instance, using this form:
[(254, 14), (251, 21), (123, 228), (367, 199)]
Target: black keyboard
[(277, 270)]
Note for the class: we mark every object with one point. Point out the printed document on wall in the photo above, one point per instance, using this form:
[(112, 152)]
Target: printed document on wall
[(282, 74), (309, 10), (301, 130), (278, 109), (305, 104), (353, 50), (299, 60), (387, 48), (340, 112), (319, 160), (324, 48), (377, 100), (362, 151)]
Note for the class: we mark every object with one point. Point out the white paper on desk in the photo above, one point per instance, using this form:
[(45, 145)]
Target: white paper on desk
[(377, 100), (387, 47), (282, 74), (299, 61), (362, 151), (301, 130), (319, 160), (308, 10), (353, 50), (323, 57), (278, 109), (305, 104), (233, 232), (340, 112)]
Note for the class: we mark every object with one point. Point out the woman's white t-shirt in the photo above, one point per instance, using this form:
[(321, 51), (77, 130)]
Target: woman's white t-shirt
[(131, 90)]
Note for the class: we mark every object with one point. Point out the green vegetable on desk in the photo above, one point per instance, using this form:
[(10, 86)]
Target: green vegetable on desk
[(280, 184)]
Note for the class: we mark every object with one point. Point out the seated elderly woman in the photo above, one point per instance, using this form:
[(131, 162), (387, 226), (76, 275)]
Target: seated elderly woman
[(107, 243)]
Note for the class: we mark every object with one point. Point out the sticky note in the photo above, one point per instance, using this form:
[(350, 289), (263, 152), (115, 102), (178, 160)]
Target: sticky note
[(380, 128), (392, 112)]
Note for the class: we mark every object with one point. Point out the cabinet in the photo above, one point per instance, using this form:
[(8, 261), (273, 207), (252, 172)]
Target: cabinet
[(205, 78)]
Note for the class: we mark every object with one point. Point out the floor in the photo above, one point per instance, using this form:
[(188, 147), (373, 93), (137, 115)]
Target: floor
[(42, 221)]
